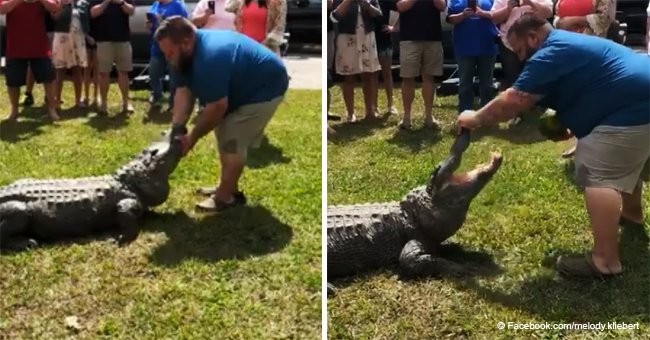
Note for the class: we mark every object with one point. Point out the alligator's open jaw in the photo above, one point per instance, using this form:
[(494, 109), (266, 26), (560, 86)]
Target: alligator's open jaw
[(472, 175)]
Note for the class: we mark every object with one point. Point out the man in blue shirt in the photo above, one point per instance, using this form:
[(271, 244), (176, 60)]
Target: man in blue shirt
[(159, 11), (601, 93), (240, 82)]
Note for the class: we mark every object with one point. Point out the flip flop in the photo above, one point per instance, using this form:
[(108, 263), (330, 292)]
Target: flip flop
[(211, 191), (582, 267)]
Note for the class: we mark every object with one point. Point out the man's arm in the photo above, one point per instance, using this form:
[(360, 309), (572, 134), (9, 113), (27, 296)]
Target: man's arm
[(127, 8), (405, 5), (440, 5), (543, 9), (371, 7), (208, 120), (505, 106), (342, 9), (183, 106), (7, 6), (51, 6), (99, 9), (501, 10)]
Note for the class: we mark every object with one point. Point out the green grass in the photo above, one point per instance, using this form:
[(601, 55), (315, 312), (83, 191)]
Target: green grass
[(529, 214), (253, 272)]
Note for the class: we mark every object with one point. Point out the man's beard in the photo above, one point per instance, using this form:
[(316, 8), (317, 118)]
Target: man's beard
[(185, 63)]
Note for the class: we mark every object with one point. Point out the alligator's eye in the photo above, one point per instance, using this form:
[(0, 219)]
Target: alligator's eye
[(154, 152)]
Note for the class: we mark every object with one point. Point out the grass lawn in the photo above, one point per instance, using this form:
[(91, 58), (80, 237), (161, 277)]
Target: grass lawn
[(530, 213), (253, 272)]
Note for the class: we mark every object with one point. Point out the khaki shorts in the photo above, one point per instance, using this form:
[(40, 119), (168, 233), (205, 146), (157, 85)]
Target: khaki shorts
[(244, 127), (118, 53), (614, 157), (420, 56)]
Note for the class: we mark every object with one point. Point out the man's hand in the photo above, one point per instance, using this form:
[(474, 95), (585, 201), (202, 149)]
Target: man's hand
[(187, 144), (468, 119), (512, 4), (387, 29), (208, 12), (468, 12)]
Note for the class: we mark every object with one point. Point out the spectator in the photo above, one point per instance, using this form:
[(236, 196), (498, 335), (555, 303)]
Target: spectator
[(504, 14), (212, 14), (356, 50), (330, 61), (69, 46), (421, 53), (384, 41), (27, 47), (90, 73), (475, 49), (260, 20), (113, 34), (591, 17), (159, 11)]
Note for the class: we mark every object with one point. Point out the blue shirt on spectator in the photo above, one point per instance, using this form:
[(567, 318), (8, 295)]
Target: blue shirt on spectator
[(474, 36), (227, 64), (589, 81), (174, 7)]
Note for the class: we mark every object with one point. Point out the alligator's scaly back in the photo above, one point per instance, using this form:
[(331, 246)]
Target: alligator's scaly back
[(364, 236)]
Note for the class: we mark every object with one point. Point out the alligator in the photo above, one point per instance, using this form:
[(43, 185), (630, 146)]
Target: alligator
[(409, 233), (33, 211)]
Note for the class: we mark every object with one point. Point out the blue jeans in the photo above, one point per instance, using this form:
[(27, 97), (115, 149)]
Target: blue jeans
[(468, 67), (158, 66)]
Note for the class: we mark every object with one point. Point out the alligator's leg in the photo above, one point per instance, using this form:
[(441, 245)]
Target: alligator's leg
[(13, 227), (330, 289), (416, 262), (129, 212)]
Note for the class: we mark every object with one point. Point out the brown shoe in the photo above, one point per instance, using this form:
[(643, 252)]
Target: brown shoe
[(213, 205), (582, 267)]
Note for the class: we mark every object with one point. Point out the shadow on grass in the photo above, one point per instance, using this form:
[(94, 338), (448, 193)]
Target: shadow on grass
[(265, 155), (103, 123), (240, 233), (416, 139), (560, 300), (346, 132), (23, 129), (157, 116), (476, 263)]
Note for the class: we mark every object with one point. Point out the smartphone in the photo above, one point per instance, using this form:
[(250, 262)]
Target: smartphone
[(471, 4), (211, 5)]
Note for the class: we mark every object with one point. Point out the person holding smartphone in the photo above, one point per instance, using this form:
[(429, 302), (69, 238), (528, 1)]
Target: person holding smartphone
[(474, 39), (27, 47), (211, 14), (504, 13), (158, 66), (110, 20)]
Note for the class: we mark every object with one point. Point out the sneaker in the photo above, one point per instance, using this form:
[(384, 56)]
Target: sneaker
[(29, 99)]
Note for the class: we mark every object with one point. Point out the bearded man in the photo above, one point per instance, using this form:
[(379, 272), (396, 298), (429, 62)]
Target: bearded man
[(601, 93), (240, 82)]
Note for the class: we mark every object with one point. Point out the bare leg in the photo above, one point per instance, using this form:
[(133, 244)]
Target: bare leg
[(58, 86), (50, 93), (348, 96), (369, 83), (14, 94), (387, 74), (29, 85), (408, 93), (103, 88), (123, 82), (76, 79), (429, 96), (232, 166), (603, 206), (633, 205)]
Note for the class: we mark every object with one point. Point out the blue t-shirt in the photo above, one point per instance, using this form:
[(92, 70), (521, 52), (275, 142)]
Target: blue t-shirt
[(589, 81), (474, 36), (227, 64), (175, 7)]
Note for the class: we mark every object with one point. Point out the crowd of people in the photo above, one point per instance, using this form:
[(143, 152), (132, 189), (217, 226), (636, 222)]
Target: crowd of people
[(361, 45), (47, 39)]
